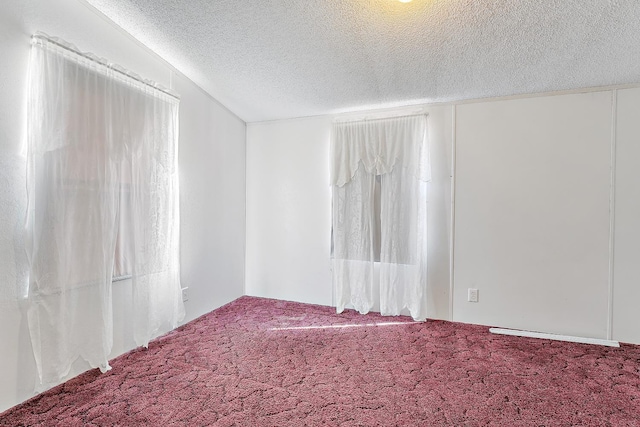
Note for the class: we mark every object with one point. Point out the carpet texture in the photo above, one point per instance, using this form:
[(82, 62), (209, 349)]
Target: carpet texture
[(258, 362)]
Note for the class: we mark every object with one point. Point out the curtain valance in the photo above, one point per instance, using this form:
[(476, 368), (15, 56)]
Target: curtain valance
[(380, 145)]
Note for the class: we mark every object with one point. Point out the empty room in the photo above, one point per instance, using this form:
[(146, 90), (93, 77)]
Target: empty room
[(322, 213)]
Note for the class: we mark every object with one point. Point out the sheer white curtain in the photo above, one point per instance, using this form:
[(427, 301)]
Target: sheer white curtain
[(102, 152), (389, 159)]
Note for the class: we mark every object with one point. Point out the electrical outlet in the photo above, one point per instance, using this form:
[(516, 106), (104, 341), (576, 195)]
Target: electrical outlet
[(185, 295), (472, 295)]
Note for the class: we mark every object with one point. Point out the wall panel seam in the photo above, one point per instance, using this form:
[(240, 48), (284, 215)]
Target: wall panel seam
[(612, 210), (453, 211)]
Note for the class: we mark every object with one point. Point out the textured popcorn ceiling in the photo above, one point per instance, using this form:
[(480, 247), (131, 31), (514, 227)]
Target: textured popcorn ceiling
[(273, 59)]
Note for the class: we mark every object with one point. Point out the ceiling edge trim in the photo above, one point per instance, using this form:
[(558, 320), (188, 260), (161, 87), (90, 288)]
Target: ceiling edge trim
[(425, 105)]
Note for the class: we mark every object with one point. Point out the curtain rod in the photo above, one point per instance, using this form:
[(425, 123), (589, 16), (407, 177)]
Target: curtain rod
[(114, 67), (380, 116)]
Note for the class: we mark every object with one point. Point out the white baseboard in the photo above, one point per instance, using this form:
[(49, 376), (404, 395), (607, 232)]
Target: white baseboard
[(582, 340)]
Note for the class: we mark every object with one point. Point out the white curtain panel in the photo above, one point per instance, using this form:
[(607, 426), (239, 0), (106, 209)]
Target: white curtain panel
[(389, 156), (102, 152)]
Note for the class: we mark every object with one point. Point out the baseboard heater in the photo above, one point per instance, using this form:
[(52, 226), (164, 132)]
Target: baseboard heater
[(529, 334)]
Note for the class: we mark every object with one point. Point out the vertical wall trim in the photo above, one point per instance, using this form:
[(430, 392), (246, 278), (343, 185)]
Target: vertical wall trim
[(247, 126), (246, 198), (452, 239), (612, 208)]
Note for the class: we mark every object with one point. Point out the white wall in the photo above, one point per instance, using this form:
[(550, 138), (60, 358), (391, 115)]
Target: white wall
[(289, 210), (626, 283), (212, 163), (532, 213), (212, 200), (533, 223)]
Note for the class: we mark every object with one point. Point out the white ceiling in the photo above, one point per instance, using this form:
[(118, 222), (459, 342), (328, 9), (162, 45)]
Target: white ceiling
[(274, 59)]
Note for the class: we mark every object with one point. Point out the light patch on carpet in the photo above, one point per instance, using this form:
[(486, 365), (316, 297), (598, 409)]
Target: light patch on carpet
[(365, 325)]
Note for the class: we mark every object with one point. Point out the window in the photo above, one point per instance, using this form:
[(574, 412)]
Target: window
[(379, 174), (102, 184)]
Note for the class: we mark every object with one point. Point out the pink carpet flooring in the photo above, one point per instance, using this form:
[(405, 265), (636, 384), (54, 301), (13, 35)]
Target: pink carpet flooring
[(258, 362)]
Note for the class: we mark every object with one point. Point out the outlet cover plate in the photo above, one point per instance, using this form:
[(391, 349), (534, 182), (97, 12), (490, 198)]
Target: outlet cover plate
[(472, 295)]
